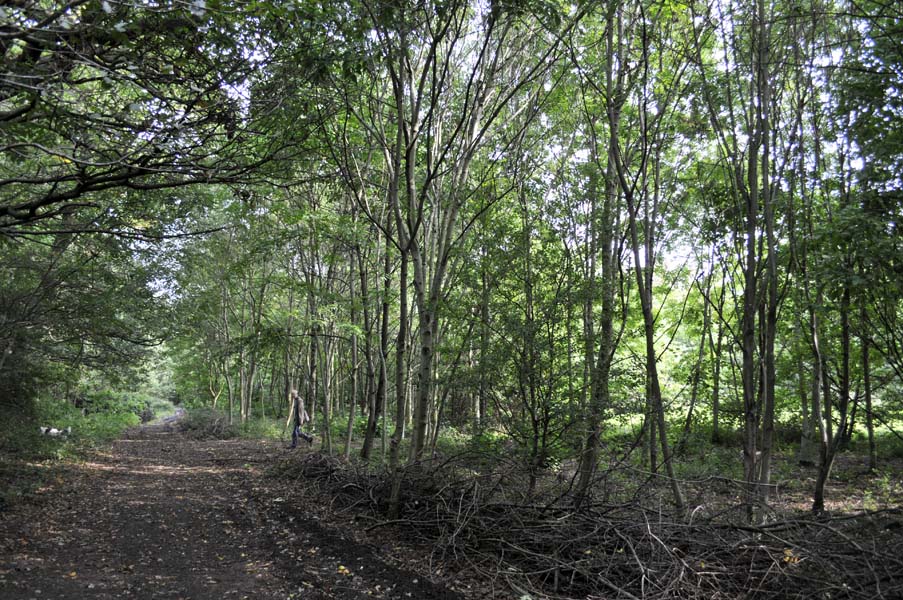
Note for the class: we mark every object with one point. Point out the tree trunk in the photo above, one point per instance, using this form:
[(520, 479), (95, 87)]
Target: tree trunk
[(371, 386), (769, 326), (697, 369), (655, 393), (479, 413), (825, 457), (716, 374), (230, 389), (400, 389), (808, 446), (326, 380), (383, 388), (867, 382), (601, 239), (349, 432), (830, 441), (426, 312), (313, 384), (749, 368)]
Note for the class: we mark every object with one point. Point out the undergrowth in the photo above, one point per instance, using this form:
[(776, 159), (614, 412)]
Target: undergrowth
[(28, 456), (472, 512), (214, 423)]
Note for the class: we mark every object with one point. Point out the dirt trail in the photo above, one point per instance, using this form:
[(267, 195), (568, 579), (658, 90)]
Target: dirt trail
[(160, 515)]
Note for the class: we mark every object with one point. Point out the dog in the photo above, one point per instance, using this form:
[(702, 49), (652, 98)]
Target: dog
[(54, 432)]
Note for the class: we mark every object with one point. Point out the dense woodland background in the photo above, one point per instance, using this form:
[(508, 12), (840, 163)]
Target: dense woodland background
[(577, 235)]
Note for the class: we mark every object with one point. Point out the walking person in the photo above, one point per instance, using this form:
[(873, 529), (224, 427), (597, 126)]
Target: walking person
[(297, 417)]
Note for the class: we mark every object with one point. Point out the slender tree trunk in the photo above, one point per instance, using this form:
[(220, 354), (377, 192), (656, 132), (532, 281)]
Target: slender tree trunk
[(349, 432), (644, 290), (749, 368), (400, 389), (529, 361), (645, 293), (867, 382), (230, 389), (599, 352), (845, 346), (326, 381), (242, 387), (287, 371), (426, 313), (372, 385), (479, 413), (213, 385), (825, 438), (769, 332), (768, 370), (649, 431), (604, 352), (830, 441), (383, 388), (697, 369), (807, 439), (313, 384), (716, 372)]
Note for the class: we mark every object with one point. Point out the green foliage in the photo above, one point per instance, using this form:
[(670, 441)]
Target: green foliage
[(487, 441), (118, 95), (452, 441), (868, 89), (21, 438), (282, 118), (106, 427), (262, 428), (711, 461), (339, 426), (889, 446), (101, 418), (72, 304), (208, 423)]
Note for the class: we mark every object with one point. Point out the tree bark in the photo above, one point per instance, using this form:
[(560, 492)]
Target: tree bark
[(697, 368), (349, 432), (400, 389), (867, 382)]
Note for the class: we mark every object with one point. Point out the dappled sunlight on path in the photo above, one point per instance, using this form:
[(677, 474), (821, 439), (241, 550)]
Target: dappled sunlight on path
[(159, 514), (154, 516)]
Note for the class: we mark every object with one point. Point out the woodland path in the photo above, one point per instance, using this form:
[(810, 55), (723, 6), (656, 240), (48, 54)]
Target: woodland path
[(161, 515)]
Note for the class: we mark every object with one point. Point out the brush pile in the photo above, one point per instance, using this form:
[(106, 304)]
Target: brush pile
[(546, 545)]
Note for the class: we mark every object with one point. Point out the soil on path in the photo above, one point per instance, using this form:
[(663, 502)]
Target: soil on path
[(161, 515)]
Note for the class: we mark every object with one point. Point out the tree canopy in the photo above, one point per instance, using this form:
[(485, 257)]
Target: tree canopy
[(566, 225)]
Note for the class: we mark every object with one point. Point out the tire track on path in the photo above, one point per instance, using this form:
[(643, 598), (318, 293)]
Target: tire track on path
[(160, 515)]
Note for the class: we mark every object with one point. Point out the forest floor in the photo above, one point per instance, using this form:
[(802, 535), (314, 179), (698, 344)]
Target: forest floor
[(171, 514), (159, 514)]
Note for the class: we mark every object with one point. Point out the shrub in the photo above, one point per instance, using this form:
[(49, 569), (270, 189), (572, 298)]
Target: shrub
[(262, 428), (106, 427), (208, 423)]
